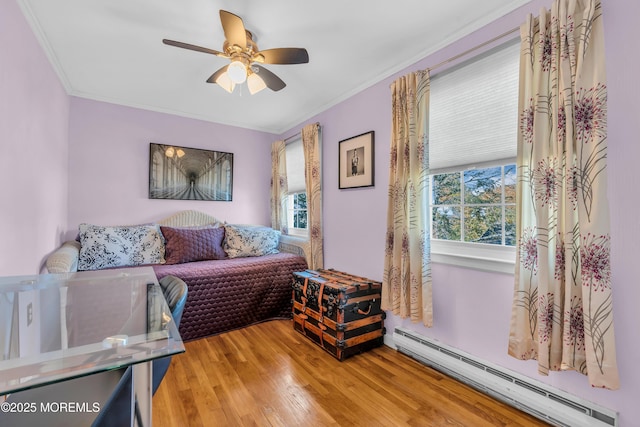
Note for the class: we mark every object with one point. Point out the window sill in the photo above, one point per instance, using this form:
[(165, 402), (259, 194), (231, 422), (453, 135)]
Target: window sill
[(498, 259), (294, 238), (299, 233)]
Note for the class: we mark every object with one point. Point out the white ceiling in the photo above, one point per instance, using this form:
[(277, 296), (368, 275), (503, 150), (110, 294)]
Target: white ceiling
[(112, 50)]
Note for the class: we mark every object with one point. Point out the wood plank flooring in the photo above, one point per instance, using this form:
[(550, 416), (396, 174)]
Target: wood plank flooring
[(270, 375)]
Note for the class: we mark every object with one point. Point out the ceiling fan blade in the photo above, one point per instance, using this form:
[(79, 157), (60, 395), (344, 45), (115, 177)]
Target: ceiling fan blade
[(284, 55), (234, 30), (194, 47), (272, 81), (215, 75)]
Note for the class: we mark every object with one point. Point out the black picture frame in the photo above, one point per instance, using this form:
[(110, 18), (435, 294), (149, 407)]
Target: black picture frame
[(182, 173), (356, 161)]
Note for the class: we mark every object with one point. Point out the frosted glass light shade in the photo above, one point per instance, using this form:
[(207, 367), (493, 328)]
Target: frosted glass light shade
[(225, 82), (237, 72), (255, 83)]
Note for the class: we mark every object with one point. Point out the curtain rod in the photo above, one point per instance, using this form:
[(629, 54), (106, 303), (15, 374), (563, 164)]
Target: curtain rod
[(468, 51), (298, 133), (292, 136)]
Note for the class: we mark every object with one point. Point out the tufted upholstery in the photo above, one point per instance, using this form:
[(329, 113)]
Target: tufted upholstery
[(231, 293), (191, 244)]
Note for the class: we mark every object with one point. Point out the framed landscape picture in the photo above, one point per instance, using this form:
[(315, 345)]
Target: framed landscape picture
[(356, 161), (189, 173)]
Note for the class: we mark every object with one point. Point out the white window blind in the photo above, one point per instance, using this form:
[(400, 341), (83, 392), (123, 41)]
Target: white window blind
[(473, 111), (295, 166)]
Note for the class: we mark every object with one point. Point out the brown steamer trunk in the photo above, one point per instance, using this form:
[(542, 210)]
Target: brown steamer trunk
[(338, 311)]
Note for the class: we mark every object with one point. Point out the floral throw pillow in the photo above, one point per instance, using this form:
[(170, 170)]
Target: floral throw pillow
[(105, 247), (193, 244), (246, 241)]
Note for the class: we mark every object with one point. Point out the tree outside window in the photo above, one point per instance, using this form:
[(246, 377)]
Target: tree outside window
[(297, 211), (475, 205)]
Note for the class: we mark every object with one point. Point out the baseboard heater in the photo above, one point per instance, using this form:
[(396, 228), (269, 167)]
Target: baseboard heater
[(536, 398)]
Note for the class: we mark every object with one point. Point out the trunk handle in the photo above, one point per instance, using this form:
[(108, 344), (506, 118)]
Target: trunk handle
[(362, 312)]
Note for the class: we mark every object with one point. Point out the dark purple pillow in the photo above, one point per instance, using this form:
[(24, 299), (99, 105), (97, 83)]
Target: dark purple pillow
[(193, 244)]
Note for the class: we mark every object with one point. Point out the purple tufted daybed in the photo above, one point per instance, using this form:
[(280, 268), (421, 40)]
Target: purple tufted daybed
[(224, 294), (230, 293)]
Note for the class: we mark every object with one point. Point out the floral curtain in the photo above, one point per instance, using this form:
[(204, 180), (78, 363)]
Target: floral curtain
[(562, 310), (279, 187), (406, 287), (313, 182)]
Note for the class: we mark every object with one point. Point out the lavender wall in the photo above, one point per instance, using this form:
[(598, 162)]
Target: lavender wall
[(34, 116), (109, 165), (472, 308), (97, 162)]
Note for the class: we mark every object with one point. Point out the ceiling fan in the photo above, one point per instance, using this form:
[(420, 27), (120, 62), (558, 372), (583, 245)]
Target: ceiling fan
[(241, 48)]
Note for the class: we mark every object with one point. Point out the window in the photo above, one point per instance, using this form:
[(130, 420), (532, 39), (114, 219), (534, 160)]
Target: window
[(297, 199), (475, 205), (473, 124), (297, 213)]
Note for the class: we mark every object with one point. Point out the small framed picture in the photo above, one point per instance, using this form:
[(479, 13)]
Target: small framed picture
[(356, 161)]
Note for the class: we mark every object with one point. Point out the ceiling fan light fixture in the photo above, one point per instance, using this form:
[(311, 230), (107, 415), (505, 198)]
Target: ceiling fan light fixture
[(255, 83), (225, 82), (237, 72), (241, 49)]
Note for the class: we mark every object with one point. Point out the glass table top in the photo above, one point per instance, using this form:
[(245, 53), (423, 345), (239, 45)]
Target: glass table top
[(55, 327)]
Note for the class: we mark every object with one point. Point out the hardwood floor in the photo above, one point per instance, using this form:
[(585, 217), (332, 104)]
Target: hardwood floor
[(270, 375)]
